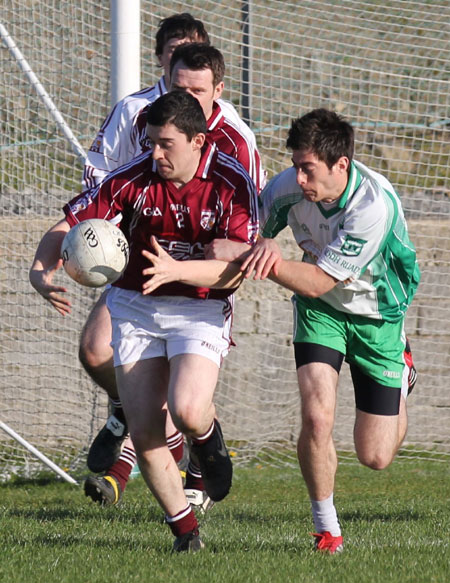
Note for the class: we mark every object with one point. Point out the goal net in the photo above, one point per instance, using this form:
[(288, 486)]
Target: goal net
[(384, 66)]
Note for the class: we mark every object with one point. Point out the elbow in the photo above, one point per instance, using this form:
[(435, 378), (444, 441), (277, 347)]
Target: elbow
[(313, 293), (321, 284), (317, 289)]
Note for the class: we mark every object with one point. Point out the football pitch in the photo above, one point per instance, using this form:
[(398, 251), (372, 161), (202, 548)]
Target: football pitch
[(396, 527)]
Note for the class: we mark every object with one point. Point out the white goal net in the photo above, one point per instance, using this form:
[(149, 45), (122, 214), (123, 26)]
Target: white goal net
[(385, 66)]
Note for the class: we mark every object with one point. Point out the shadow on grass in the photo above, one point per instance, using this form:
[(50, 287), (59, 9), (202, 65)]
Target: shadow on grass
[(86, 514), (19, 482), (402, 515)]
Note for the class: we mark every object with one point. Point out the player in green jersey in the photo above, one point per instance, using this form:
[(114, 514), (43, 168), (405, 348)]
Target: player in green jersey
[(357, 278)]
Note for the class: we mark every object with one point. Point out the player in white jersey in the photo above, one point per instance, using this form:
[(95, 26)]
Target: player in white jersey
[(125, 135), (358, 276), (119, 140), (122, 135), (168, 345)]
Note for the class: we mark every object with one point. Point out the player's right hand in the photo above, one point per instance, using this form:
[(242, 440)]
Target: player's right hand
[(41, 280), (264, 257)]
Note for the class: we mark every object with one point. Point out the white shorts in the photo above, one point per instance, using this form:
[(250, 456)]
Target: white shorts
[(152, 326)]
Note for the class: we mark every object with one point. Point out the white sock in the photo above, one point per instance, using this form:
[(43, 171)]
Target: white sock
[(325, 516)]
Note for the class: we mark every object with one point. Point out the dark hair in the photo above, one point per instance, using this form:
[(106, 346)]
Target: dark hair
[(180, 26), (198, 56), (180, 109), (323, 133)]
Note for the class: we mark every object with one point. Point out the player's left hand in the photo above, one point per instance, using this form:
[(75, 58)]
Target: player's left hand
[(164, 270)]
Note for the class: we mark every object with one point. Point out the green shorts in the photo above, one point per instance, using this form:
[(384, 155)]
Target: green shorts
[(374, 346)]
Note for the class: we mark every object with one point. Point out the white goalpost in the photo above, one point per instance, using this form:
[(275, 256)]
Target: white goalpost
[(55, 468), (384, 66), (125, 48)]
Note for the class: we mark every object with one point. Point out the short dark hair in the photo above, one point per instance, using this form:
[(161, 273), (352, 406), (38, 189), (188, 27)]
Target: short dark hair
[(323, 133), (198, 56), (182, 25), (180, 109)]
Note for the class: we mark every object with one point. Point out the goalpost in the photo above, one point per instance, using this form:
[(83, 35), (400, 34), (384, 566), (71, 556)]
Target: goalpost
[(385, 67)]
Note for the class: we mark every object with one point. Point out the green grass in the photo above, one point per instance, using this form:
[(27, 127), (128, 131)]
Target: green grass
[(396, 527)]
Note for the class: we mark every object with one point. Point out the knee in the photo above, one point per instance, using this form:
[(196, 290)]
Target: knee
[(187, 420), (95, 350), (318, 425), (374, 459)]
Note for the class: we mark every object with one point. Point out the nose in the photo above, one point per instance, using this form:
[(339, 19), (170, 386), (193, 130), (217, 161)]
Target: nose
[(301, 177), (157, 153)]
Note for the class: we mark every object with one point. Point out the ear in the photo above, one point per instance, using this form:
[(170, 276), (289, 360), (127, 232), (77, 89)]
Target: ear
[(198, 141), (218, 90), (343, 164)]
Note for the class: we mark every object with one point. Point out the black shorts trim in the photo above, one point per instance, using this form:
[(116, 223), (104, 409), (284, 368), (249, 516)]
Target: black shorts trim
[(371, 397), (307, 352)]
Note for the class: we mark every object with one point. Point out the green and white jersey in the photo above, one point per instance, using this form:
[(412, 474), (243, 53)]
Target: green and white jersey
[(361, 239)]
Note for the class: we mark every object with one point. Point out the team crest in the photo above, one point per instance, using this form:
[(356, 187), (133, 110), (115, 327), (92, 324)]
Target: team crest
[(97, 143), (81, 204), (207, 220), (352, 246)]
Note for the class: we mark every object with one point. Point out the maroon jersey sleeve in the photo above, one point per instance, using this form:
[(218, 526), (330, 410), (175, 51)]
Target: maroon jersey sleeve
[(111, 197), (239, 220), (234, 141)]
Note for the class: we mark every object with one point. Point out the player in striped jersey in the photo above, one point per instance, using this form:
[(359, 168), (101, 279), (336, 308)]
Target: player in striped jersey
[(123, 136), (169, 344), (358, 276), (120, 139)]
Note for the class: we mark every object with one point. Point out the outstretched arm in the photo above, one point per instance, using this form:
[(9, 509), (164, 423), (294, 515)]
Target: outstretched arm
[(265, 260), (46, 262), (209, 273), (227, 250), (302, 278)]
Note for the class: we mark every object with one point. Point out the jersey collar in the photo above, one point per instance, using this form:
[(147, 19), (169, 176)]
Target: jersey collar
[(354, 180), (205, 166), (216, 119), (162, 86)]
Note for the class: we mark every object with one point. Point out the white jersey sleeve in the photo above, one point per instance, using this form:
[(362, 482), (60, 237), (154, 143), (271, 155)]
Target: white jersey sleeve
[(117, 141), (276, 203)]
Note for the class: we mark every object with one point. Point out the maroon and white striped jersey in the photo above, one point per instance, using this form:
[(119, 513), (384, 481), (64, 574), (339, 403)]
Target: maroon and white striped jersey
[(122, 137), (219, 202), (231, 140), (118, 140)]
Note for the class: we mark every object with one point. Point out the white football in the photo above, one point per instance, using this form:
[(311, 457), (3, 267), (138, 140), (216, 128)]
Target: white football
[(95, 252)]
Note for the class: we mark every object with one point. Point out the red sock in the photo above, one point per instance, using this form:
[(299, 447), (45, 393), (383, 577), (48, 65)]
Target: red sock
[(123, 466), (199, 439), (176, 445), (182, 522), (194, 480)]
